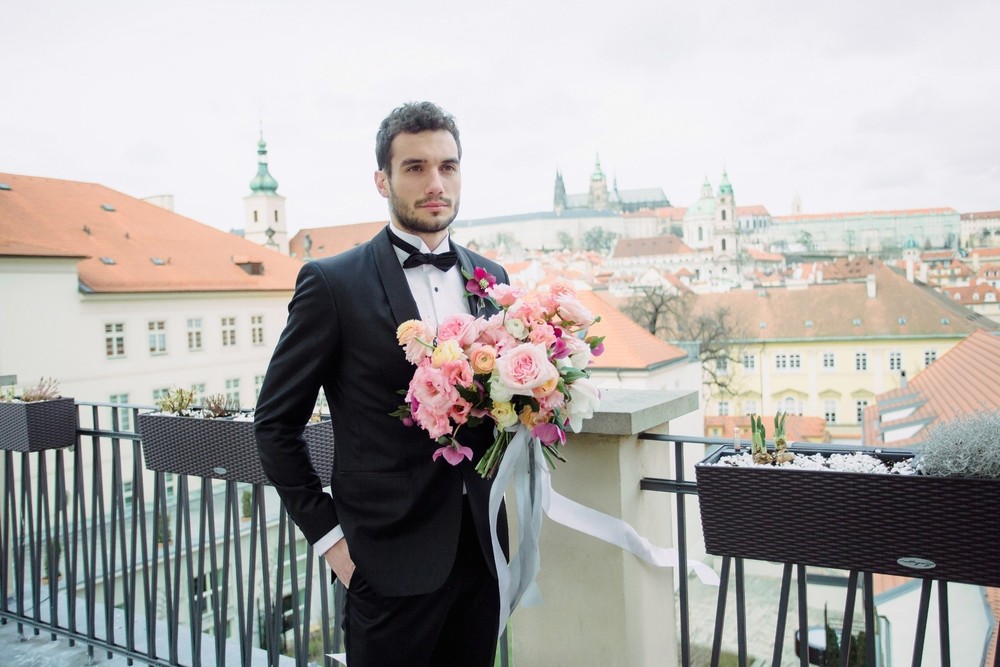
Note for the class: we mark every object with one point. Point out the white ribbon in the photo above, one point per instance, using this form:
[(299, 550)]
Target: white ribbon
[(524, 462)]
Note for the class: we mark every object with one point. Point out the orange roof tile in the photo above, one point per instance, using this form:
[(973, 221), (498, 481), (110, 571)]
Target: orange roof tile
[(961, 381), (144, 248), (333, 240), (628, 346), (763, 256), (650, 246), (755, 209), (829, 310), (983, 215)]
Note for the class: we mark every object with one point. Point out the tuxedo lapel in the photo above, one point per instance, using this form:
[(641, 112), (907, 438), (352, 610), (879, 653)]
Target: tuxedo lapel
[(390, 273)]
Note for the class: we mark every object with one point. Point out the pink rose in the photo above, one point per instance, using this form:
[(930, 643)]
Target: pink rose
[(573, 312), (505, 295), (525, 367), (461, 328)]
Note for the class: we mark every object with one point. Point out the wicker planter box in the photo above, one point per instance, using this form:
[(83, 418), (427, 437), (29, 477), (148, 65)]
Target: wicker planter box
[(220, 448), (918, 526), (39, 425)]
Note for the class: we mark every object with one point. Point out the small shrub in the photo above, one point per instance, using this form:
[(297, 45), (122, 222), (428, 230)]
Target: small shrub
[(967, 446), (47, 389), (220, 405), (177, 401)]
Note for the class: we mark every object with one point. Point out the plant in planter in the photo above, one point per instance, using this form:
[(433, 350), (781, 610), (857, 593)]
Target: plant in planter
[(925, 518), (37, 419), (216, 439), (246, 505)]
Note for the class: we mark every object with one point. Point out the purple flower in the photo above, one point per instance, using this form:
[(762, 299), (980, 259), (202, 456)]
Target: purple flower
[(549, 433), (479, 282), (452, 453)]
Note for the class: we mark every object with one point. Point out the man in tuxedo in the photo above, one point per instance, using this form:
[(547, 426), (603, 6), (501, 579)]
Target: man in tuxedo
[(408, 536)]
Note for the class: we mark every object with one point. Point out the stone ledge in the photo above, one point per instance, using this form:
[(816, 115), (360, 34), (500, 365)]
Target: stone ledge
[(632, 411)]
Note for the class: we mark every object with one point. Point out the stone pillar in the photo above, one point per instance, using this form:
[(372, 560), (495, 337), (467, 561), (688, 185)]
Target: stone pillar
[(601, 605)]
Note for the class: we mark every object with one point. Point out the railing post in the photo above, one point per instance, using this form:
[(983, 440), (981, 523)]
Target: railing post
[(602, 606)]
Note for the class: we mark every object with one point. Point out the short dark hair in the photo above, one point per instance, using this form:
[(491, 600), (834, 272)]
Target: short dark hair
[(411, 117)]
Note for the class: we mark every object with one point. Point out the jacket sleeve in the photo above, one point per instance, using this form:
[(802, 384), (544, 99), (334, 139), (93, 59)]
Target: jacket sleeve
[(300, 363)]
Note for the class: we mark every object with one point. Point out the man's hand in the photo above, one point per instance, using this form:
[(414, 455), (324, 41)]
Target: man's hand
[(339, 559)]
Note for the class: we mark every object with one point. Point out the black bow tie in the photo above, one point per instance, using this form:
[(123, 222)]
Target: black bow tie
[(443, 261)]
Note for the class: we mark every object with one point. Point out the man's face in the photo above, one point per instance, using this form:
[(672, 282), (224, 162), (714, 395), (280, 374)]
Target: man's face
[(425, 182)]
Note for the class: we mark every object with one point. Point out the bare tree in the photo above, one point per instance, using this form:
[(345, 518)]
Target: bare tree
[(673, 317)]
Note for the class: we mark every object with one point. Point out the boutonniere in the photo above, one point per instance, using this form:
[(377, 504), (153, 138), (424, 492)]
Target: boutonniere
[(480, 281)]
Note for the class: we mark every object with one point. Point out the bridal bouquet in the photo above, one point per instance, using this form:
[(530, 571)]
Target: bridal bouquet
[(524, 366)]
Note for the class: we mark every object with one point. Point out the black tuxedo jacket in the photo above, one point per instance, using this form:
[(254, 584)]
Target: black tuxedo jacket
[(399, 510)]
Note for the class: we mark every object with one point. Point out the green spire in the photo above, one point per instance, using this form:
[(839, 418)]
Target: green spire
[(724, 187), (263, 182), (598, 174)]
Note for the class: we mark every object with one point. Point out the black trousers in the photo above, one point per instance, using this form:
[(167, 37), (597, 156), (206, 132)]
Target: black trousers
[(454, 625)]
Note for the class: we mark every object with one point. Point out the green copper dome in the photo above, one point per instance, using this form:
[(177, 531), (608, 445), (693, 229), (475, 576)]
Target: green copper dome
[(263, 182), (724, 187)]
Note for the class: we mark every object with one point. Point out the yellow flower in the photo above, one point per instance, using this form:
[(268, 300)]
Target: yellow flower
[(503, 413), (447, 351)]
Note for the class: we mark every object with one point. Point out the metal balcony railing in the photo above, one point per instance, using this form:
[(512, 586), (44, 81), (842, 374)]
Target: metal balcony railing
[(168, 569)]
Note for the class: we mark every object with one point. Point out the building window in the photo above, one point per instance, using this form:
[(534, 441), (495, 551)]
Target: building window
[(198, 390), (233, 389), (158, 337), (160, 394), (258, 382), (795, 361), (860, 410), (275, 215), (723, 408), (114, 340), (124, 414), (255, 216), (830, 411), (194, 334), (722, 364), (749, 361), (895, 361), (750, 407), (860, 361), (790, 406), (930, 356), (829, 360), (781, 361), (257, 329), (228, 331)]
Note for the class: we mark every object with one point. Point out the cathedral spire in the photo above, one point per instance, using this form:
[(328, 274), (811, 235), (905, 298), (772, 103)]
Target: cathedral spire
[(263, 182)]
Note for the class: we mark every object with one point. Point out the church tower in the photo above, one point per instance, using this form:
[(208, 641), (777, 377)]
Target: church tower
[(559, 198), (726, 225), (264, 209), (598, 197)]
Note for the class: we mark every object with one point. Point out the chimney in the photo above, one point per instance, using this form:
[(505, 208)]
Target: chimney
[(870, 284), (909, 269), (902, 379), (923, 272)]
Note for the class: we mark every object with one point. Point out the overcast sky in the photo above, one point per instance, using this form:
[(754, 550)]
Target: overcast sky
[(854, 105)]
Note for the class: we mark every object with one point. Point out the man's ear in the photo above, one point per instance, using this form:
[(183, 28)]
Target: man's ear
[(382, 183)]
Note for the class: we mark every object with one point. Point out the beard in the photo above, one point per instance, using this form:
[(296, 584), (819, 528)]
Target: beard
[(407, 218)]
